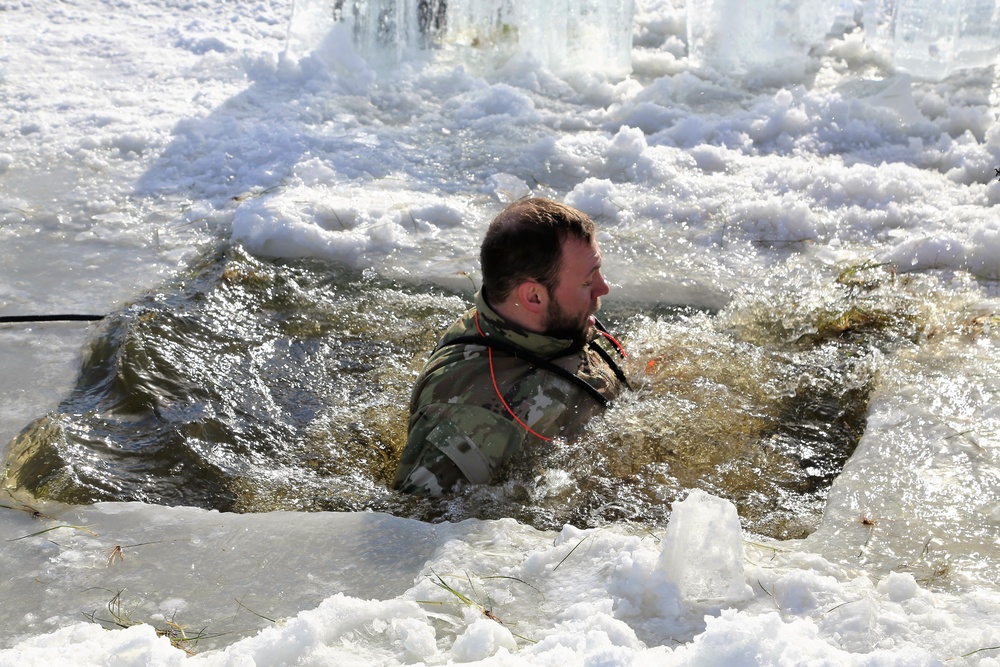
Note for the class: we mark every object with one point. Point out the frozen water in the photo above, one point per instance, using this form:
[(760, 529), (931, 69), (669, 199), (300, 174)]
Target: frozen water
[(311, 21), (383, 32), (135, 130), (894, 93), (746, 38), (590, 34), (929, 39), (564, 35), (703, 549), (932, 39)]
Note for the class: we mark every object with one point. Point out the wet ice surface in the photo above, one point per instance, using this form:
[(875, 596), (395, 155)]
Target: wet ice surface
[(840, 219)]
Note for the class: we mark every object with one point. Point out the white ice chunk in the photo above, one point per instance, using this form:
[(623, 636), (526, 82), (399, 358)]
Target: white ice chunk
[(894, 92), (737, 37), (703, 550), (311, 21), (571, 35), (932, 39)]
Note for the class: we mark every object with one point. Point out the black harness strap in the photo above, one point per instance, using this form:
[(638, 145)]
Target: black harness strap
[(538, 361), (619, 373)]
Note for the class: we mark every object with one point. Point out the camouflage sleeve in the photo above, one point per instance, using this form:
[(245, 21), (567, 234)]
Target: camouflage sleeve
[(451, 442)]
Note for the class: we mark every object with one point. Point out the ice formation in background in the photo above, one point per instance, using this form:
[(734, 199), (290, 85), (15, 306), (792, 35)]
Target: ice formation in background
[(932, 39), (739, 38), (928, 39), (563, 35), (765, 39)]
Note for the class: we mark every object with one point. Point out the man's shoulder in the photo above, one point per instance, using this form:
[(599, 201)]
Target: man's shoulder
[(465, 325)]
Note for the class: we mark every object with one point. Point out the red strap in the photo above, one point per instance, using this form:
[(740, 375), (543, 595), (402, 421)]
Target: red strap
[(621, 348), (493, 377)]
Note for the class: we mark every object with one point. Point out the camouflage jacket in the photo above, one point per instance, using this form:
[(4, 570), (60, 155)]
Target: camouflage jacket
[(461, 431)]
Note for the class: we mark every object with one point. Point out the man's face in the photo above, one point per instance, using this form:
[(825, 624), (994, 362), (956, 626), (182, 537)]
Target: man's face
[(578, 291)]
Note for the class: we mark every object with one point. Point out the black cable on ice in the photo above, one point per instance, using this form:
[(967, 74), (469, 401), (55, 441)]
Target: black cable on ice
[(12, 319)]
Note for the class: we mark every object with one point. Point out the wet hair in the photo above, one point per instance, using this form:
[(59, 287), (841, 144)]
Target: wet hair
[(524, 242)]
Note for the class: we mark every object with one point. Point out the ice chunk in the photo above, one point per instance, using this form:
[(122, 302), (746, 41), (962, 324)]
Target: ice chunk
[(385, 31), (578, 34), (703, 550), (895, 93), (737, 37), (563, 35), (932, 39), (311, 21)]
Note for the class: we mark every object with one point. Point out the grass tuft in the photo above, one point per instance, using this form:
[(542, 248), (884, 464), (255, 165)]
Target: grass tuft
[(464, 599), (120, 618)]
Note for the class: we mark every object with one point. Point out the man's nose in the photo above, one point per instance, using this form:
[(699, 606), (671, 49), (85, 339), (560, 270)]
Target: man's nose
[(600, 286)]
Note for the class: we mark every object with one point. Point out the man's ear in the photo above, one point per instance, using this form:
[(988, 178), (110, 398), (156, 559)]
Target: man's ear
[(532, 296)]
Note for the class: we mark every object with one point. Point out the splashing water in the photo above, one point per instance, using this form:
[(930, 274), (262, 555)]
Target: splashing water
[(264, 385)]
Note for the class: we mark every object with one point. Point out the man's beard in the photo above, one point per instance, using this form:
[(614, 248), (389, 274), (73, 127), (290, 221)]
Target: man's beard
[(559, 324)]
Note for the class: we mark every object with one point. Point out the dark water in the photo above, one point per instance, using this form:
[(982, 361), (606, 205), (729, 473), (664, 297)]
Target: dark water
[(252, 385)]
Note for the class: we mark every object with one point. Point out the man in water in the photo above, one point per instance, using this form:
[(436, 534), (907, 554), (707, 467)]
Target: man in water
[(528, 363)]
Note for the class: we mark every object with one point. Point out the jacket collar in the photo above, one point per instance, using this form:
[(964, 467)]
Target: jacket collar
[(494, 325)]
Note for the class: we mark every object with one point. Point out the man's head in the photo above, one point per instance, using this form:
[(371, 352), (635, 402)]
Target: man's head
[(542, 257)]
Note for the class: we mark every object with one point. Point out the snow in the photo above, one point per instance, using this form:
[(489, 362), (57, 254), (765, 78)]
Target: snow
[(599, 595), (137, 132)]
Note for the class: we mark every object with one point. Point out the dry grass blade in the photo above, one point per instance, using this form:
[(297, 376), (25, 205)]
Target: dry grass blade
[(257, 614), (118, 618), (842, 604), (83, 528), (869, 522), (520, 581), (116, 554), (570, 553), (465, 599), (980, 650), (440, 582), (24, 507)]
